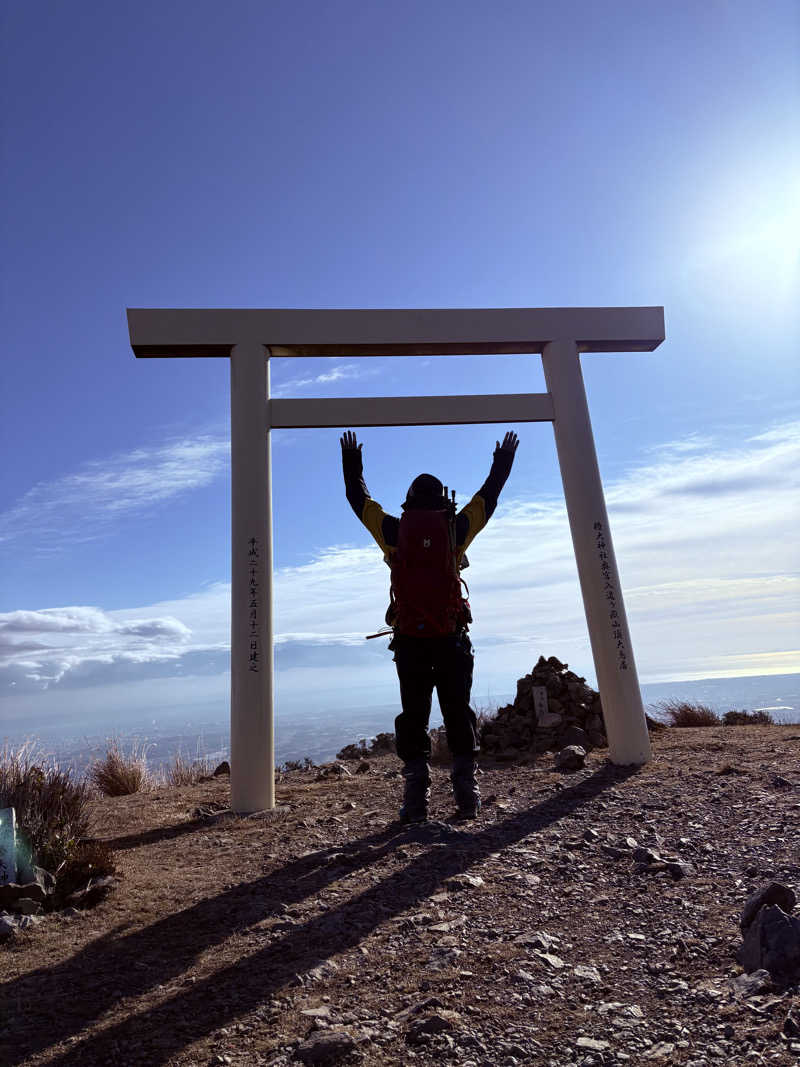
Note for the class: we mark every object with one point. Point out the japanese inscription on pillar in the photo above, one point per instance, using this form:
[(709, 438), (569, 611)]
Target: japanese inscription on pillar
[(253, 600), (612, 597)]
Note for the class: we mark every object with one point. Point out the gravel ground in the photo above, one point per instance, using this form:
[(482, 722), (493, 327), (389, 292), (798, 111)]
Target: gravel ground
[(541, 933)]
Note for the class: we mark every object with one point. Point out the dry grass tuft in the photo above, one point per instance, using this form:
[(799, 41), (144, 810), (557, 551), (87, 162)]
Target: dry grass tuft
[(52, 809), (184, 772), (440, 752), (681, 713), (118, 775), (91, 859)]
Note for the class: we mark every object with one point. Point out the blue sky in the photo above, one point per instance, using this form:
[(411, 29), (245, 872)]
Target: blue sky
[(353, 154)]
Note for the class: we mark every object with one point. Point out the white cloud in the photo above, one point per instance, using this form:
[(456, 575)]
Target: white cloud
[(83, 506), (56, 620), (61, 643), (339, 372), (705, 539)]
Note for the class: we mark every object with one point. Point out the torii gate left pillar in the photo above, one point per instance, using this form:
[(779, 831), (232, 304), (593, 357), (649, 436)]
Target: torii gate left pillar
[(252, 659), (248, 337)]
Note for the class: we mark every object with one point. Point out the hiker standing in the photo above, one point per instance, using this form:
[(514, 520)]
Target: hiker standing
[(430, 616)]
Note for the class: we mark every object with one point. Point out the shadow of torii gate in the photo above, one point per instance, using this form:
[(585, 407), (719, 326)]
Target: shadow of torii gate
[(250, 336)]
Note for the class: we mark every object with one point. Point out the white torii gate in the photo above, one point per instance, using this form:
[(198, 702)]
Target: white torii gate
[(250, 336)]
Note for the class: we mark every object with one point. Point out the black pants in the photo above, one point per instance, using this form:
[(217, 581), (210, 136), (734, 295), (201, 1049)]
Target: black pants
[(425, 662)]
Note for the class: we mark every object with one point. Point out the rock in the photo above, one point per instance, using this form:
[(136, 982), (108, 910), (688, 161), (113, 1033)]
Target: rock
[(363, 767), (465, 881), (791, 1024), (322, 970), (333, 770), (26, 906), (322, 1012), (439, 1022), (781, 783), (772, 943), (678, 869), (96, 890), (750, 985), (661, 1050), (220, 769), (590, 974), (645, 855), (592, 1043), (448, 926), (27, 921), (428, 1004), (539, 939), (327, 1046), (574, 735), (45, 879), (553, 961), (10, 893), (28, 872), (8, 928), (773, 893), (570, 758)]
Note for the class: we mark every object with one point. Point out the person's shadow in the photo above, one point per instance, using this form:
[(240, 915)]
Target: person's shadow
[(52, 1004)]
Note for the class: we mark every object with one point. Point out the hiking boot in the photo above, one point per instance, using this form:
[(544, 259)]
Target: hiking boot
[(465, 787), (417, 792)]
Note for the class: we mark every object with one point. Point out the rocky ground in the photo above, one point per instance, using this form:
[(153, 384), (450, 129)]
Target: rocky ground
[(324, 932)]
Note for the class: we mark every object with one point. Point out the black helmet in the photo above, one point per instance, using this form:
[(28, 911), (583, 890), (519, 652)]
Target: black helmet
[(425, 493)]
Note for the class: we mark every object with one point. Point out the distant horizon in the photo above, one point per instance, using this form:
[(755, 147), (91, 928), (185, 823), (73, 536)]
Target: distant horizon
[(297, 736)]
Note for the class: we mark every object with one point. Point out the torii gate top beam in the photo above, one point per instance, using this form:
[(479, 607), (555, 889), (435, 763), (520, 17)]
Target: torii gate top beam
[(392, 332)]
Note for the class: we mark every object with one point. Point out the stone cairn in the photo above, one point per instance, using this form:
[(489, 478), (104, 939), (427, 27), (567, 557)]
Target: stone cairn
[(573, 716)]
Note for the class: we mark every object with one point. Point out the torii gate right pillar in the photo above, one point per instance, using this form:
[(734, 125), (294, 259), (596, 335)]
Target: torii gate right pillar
[(617, 680)]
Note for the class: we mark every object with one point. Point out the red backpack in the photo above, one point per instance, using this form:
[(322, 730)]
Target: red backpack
[(426, 598)]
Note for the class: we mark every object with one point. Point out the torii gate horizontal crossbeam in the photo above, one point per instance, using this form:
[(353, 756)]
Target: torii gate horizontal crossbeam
[(392, 331), (409, 410)]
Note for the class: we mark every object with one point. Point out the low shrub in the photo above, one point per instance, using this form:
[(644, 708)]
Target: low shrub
[(381, 745), (51, 807), (186, 772), (305, 764), (117, 775), (682, 713), (90, 859), (747, 718)]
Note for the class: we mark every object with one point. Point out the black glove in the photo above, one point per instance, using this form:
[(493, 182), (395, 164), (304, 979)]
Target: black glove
[(351, 453), (508, 447)]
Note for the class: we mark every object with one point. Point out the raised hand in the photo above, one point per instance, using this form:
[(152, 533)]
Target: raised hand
[(510, 443), (349, 443)]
